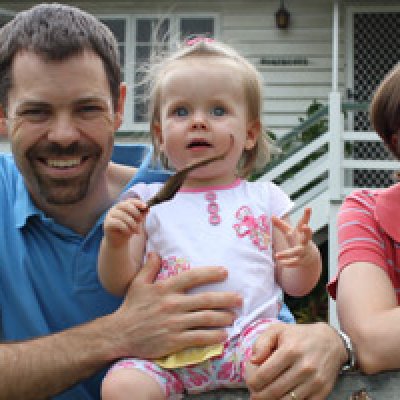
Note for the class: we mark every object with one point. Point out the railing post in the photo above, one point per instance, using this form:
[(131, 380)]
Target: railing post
[(336, 127), (335, 158)]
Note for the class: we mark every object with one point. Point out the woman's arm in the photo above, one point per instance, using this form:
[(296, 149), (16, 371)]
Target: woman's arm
[(368, 311)]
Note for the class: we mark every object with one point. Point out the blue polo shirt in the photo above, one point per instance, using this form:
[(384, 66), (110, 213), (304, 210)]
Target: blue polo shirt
[(48, 278), (48, 275)]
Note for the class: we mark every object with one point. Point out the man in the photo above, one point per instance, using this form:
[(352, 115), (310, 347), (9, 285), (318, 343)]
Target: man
[(61, 101)]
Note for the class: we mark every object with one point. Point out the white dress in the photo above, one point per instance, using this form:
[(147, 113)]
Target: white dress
[(226, 226)]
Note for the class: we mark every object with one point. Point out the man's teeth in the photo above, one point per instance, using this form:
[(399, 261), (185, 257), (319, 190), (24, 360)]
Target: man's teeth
[(64, 163)]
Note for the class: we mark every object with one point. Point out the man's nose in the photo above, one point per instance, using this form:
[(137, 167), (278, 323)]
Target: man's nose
[(63, 130)]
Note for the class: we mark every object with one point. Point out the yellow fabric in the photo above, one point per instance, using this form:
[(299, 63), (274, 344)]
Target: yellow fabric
[(190, 356)]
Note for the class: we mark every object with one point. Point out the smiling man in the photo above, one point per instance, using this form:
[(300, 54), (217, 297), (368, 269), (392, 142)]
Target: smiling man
[(61, 132)]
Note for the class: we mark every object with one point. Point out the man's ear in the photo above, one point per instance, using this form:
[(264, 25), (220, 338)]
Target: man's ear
[(252, 134), (3, 122), (119, 112)]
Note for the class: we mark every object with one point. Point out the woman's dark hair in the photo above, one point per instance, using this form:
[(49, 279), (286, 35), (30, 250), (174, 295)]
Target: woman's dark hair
[(385, 108)]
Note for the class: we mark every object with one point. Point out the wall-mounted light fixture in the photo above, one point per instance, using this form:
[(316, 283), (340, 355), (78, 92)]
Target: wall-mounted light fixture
[(282, 17)]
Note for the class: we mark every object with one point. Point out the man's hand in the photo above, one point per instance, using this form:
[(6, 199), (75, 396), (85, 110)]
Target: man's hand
[(159, 318), (303, 359)]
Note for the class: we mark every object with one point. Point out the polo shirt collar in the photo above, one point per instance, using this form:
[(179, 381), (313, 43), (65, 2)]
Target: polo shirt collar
[(24, 206), (387, 211)]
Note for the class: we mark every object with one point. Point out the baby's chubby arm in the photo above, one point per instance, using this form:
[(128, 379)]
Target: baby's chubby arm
[(123, 244), (298, 260)]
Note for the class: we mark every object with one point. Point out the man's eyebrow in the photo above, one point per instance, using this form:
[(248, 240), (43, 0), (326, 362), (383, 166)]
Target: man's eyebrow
[(93, 99), (32, 103)]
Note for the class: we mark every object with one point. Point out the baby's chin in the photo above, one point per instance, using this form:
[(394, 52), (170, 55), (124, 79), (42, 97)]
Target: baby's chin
[(206, 176)]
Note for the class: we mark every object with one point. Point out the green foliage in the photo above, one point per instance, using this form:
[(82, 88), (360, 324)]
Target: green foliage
[(296, 143), (318, 128), (314, 306)]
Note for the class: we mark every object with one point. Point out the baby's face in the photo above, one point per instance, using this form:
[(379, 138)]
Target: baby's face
[(202, 105)]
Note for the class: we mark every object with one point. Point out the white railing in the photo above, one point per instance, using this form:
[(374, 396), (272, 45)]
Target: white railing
[(328, 176)]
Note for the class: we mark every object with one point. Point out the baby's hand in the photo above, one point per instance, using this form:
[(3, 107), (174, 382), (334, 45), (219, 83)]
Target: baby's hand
[(298, 241), (123, 220)]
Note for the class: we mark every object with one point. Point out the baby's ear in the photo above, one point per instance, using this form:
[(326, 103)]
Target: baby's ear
[(252, 134), (156, 130)]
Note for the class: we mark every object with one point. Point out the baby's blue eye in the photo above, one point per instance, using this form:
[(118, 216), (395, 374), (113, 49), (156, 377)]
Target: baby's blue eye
[(218, 111), (181, 111)]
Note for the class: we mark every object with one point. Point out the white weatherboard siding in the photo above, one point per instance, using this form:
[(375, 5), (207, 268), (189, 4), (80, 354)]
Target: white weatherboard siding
[(249, 26), (289, 89)]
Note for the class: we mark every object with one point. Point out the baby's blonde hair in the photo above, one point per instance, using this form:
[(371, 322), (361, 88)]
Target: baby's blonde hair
[(252, 159)]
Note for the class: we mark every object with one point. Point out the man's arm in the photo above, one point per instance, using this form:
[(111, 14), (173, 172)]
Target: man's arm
[(43, 367), (155, 319)]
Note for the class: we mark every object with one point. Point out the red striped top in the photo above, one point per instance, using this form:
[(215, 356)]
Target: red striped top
[(369, 231)]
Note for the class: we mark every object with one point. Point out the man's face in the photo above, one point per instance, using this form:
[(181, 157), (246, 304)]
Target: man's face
[(61, 125)]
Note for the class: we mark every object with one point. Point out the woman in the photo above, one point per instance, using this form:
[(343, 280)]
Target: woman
[(368, 282)]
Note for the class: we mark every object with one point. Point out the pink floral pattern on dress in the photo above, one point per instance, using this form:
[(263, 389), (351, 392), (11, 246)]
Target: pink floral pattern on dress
[(172, 266), (257, 228)]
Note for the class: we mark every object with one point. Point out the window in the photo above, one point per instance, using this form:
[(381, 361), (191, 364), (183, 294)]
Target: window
[(118, 27), (146, 42), (5, 16), (136, 39), (192, 26)]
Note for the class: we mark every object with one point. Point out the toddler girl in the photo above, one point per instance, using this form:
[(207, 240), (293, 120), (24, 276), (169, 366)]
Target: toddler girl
[(205, 99)]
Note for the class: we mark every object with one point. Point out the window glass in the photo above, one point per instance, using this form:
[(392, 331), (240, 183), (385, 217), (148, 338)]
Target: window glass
[(193, 26), (118, 27), (4, 19), (153, 35)]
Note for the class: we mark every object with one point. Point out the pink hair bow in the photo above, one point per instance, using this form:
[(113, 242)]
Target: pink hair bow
[(198, 39)]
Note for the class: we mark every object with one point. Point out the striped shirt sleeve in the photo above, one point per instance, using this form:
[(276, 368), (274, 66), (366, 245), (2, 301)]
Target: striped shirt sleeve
[(360, 238)]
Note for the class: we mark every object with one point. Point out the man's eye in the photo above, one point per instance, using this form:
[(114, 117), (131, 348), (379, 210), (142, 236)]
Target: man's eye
[(181, 111), (34, 114), (91, 108), (90, 111), (218, 111)]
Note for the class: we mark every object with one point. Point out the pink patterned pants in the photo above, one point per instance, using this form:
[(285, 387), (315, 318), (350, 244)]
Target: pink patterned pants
[(225, 370)]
